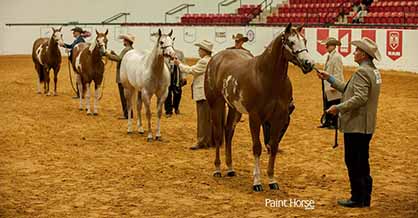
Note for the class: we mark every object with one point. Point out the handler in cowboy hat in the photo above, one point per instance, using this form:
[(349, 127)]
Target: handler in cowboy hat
[(239, 42), (128, 41), (334, 66), (198, 93), (357, 111)]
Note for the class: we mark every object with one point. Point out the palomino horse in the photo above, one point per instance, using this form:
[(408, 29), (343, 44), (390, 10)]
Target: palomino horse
[(258, 86), (88, 65), (144, 75), (46, 56)]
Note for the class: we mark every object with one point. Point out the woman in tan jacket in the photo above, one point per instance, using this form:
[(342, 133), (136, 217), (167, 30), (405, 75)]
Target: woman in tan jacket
[(198, 93)]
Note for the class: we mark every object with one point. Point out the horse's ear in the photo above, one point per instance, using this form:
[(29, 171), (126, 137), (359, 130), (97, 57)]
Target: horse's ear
[(97, 32), (174, 38), (107, 31), (288, 29), (171, 33), (159, 32), (53, 30), (59, 30), (300, 28)]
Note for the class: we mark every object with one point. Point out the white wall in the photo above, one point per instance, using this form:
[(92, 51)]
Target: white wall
[(18, 40)]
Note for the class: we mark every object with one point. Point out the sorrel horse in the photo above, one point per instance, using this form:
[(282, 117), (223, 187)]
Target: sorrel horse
[(258, 86), (88, 65), (46, 56), (145, 75)]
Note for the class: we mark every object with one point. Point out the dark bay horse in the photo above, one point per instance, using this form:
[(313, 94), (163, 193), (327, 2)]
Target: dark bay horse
[(88, 65), (46, 56), (258, 86)]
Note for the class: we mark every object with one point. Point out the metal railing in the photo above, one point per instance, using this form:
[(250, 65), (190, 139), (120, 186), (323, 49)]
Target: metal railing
[(225, 3), (177, 9), (266, 4), (116, 16)]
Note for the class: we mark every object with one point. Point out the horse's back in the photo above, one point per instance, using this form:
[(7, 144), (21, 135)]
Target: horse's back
[(76, 53), (36, 45)]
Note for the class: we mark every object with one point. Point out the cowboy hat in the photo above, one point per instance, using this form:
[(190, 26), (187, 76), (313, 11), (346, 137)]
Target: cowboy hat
[(77, 29), (205, 45), (331, 41), (128, 37), (368, 46), (239, 36)]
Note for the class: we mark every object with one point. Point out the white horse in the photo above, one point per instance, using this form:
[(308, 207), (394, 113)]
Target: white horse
[(145, 75)]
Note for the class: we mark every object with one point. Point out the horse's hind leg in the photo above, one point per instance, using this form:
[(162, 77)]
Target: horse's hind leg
[(255, 135), (88, 99), (147, 101), (129, 95), (96, 98), (40, 77), (231, 121), (217, 111), (139, 109)]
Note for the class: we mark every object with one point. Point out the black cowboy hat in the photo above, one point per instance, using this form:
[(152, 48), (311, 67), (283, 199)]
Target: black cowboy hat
[(77, 29)]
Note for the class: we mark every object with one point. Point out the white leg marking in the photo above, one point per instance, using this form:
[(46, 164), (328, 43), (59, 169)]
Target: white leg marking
[(96, 100), (88, 99)]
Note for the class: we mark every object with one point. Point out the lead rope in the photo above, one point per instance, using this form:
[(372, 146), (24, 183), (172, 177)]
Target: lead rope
[(106, 61), (70, 74)]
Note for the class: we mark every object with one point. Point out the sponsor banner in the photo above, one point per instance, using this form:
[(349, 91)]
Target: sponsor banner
[(321, 34), (394, 44), (344, 36)]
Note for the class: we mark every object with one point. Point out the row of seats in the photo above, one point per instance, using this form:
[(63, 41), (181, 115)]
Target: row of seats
[(215, 19), (316, 8), (249, 9), (394, 6), (245, 14), (307, 18), (314, 1), (390, 18)]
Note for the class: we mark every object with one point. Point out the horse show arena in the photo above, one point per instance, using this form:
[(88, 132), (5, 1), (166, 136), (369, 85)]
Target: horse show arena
[(56, 161)]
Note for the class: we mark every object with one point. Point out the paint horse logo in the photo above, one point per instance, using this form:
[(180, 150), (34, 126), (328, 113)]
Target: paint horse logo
[(394, 40)]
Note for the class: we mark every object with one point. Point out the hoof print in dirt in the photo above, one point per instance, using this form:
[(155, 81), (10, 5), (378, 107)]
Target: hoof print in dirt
[(257, 188)]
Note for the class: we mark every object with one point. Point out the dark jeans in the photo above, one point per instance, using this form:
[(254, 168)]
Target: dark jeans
[(173, 99), (123, 100), (356, 150)]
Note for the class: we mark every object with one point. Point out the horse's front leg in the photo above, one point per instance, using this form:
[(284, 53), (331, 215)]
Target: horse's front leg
[(80, 91), (255, 135), (96, 99), (88, 99), (55, 80), (160, 103), (47, 80), (146, 98), (277, 131), (139, 109)]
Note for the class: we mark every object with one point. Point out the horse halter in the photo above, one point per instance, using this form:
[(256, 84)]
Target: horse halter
[(286, 44)]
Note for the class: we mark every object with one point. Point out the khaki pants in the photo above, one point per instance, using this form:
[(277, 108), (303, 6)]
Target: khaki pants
[(204, 132)]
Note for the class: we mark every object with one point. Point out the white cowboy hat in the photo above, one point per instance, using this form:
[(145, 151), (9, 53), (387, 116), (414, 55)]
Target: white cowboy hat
[(128, 37), (239, 36), (368, 46), (205, 45)]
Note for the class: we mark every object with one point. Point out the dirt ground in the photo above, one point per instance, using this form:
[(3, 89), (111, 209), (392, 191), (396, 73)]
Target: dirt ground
[(56, 161)]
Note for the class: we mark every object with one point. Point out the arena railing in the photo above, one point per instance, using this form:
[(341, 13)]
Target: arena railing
[(177, 9)]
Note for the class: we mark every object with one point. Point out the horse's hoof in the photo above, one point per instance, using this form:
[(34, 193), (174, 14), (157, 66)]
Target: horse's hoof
[(231, 173), (47, 94), (95, 114), (257, 188), (141, 132), (89, 114), (38, 92), (149, 139), (55, 94), (80, 109), (274, 186), (158, 138), (217, 174)]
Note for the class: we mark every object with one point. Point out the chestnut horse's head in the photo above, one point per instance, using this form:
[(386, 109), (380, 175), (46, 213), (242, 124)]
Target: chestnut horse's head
[(296, 52), (101, 41), (57, 36), (165, 43)]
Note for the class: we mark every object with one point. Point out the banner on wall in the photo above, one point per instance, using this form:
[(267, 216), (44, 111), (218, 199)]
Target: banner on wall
[(220, 35), (345, 38), (321, 34), (371, 34), (394, 44), (189, 34)]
